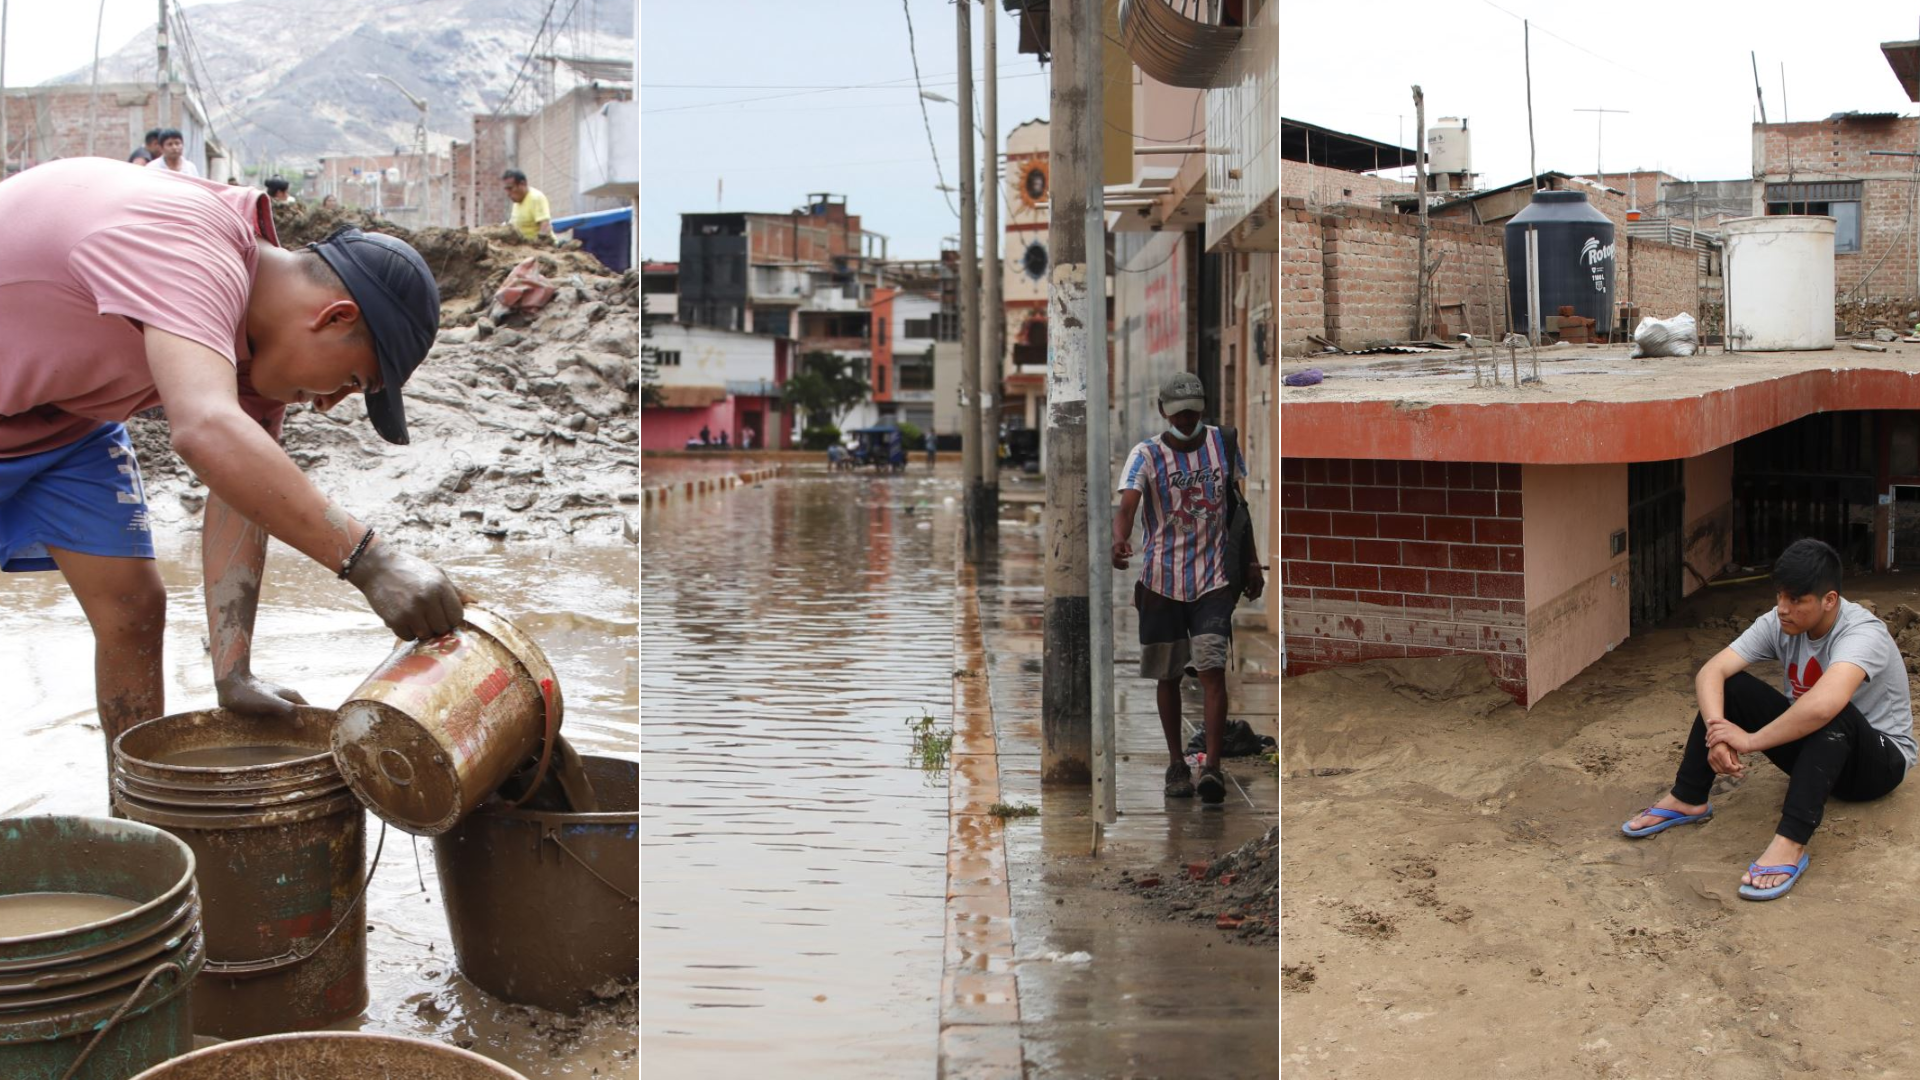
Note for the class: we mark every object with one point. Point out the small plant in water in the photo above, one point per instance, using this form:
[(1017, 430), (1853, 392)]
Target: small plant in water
[(1004, 811), (931, 743)]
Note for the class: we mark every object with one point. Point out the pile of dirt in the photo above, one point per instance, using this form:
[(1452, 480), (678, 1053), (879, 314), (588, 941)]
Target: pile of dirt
[(1860, 316), (616, 1006), (1238, 893), (523, 429)]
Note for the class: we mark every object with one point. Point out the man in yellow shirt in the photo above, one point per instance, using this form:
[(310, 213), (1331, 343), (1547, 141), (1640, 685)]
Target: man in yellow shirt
[(531, 214)]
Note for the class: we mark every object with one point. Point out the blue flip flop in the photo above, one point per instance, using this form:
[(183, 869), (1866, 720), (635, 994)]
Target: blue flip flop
[(1673, 817), (1755, 870)]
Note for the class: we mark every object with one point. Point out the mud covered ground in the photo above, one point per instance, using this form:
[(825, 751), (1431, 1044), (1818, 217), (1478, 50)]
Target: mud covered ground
[(523, 429), (1237, 894), (1459, 901)]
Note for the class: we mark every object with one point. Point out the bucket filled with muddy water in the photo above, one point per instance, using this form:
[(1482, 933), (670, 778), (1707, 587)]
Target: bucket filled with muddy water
[(331, 1055), (443, 724), (100, 941), (543, 899), (280, 843)]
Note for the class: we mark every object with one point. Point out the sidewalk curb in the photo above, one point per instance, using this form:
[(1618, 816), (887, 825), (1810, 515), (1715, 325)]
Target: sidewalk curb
[(979, 996), (683, 491)]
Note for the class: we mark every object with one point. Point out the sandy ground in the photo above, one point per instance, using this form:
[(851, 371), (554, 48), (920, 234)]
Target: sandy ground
[(1457, 899)]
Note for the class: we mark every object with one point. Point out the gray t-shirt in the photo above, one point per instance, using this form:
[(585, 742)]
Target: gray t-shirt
[(1857, 637)]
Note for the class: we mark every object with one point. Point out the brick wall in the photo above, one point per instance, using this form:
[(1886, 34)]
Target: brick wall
[(1384, 559), (495, 150), (1302, 278), (1662, 279), (1318, 185), (1838, 149), (1370, 286)]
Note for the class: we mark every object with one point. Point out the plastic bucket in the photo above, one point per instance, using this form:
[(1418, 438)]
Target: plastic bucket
[(61, 990), (331, 1055), (443, 723), (543, 905), (280, 846)]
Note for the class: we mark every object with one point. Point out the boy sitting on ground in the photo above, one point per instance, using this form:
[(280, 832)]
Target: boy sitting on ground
[(1843, 728)]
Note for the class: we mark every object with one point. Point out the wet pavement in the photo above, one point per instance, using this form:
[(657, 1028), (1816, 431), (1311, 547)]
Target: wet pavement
[(316, 635), (794, 858), (1107, 986)]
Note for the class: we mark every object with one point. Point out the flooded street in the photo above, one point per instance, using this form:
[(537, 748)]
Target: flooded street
[(794, 857), (316, 635)]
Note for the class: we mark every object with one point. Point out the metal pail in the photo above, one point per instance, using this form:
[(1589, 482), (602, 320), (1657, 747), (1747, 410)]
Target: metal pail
[(441, 724), (281, 850), (108, 996), (544, 905)]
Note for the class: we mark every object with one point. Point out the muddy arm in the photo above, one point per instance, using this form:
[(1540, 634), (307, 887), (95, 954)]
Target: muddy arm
[(233, 558)]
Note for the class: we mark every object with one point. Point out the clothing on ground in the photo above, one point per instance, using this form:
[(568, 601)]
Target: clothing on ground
[(529, 212), (1858, 638), (1847, 758), (98, 250), (1183, 500)]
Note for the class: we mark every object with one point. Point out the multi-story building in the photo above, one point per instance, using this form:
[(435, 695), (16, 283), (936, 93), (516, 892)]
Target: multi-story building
[(807, 276), (1024, 261), (916, 360)]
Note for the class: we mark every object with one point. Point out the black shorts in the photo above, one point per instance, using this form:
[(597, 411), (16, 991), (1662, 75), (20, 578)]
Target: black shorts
[(1183, 636)]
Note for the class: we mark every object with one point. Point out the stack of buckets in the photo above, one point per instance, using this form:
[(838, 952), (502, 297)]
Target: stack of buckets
[(244, 850)]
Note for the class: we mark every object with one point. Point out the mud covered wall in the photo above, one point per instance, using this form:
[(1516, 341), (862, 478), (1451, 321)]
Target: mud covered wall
[(1383, 559), (1707, 543), (1577, 593)]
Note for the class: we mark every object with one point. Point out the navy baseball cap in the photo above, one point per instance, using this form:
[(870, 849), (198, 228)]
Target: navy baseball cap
[(400, 302)]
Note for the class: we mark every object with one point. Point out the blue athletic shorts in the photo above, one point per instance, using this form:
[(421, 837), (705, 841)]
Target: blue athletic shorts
[(85, 496)]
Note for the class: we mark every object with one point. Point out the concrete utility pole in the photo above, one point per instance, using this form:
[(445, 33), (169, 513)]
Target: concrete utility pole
[(166, 86), (1420, 187), (994, 346), (1090, 47), (1076, 319), (970, 448)]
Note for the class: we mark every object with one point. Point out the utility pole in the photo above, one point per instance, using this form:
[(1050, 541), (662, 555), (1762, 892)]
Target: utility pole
[(994, 346), (1089, 48), (1420, 187), (1599, 119), (970, 297), (166, 86), (1076, 320)]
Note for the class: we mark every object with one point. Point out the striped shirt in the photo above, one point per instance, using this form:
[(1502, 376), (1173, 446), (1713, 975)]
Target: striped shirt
[(1184, 496)]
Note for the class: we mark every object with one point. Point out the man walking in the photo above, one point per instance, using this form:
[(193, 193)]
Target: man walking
[(1184, 596), (126, 289), (531, 214), (1844, 727)]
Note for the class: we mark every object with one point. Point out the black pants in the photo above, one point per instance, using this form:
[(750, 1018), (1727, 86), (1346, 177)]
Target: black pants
[(1847, 759)]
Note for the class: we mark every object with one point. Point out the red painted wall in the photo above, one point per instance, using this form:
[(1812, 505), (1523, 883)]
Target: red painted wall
[(1383, 559)]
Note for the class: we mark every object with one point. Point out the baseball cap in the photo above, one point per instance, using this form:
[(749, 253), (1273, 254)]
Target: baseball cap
[(1182, 392), (400, 303)]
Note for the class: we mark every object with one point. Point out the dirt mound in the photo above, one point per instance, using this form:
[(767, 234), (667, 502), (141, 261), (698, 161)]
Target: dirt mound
[(1239, 893), (299, 224)]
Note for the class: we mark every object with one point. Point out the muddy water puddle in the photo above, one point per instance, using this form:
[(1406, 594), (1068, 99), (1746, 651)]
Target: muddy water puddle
[(794, 858), (237, 757), (316, 635)]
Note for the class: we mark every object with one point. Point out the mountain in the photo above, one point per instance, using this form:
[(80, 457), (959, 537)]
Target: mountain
[(294, 79)]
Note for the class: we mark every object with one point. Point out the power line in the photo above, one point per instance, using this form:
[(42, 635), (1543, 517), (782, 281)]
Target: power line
[(914, 52), (888, 85), (892, 84), (514, 87), (1562, 40)]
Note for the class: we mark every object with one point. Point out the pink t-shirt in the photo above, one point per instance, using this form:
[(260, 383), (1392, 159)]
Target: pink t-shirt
[(97, 249)]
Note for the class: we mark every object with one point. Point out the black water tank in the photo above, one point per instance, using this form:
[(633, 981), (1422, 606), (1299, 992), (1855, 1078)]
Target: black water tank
[(1576, 259)]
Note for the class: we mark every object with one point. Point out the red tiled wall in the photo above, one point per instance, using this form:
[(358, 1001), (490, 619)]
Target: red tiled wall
[(1384, 559)]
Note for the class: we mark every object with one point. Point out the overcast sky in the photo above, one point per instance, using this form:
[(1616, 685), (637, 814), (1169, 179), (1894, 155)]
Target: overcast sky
[(1681, 70), (868, 144), (45, 39)]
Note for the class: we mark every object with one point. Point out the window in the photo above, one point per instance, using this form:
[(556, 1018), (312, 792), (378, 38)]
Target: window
[(919, 328), (916, 372), (880, 379), (1839, 200), (666, 357), (881, 333), (774, 321)]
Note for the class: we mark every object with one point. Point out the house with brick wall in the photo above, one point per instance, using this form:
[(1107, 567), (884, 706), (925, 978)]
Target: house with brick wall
[(1423, 515)]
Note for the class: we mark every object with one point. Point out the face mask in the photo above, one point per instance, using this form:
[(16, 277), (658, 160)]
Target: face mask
[(1183, 436)]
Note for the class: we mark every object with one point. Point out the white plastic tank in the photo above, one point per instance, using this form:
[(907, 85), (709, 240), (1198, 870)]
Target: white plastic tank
[(1449, 149), (1779, 279)]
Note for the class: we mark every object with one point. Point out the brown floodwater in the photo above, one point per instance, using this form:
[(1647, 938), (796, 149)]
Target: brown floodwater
[(22, 914), (316, 635), (236, 757), (794, 859)]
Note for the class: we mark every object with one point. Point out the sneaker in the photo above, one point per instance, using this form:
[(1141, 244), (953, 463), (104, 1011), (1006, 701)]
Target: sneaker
[(1213, 787), (1179, 781)]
